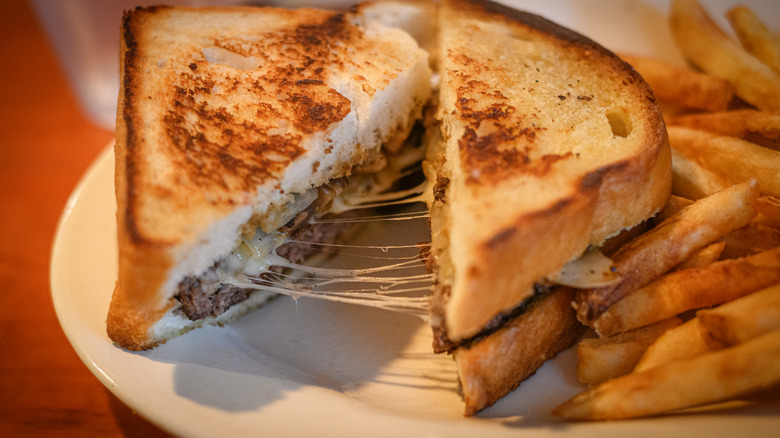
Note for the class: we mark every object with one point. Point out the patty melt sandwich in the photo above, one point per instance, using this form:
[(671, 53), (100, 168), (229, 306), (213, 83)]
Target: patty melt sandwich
[(234, 126)]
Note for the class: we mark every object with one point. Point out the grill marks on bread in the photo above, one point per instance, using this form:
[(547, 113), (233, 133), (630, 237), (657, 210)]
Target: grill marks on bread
[(498, 141), (513, 105), (215, 147), (232, 104), (487, 144), (235, 145)]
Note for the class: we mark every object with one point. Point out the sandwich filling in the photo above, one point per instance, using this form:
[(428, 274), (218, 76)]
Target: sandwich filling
[(590, 269), (213, 292), (261, 254)]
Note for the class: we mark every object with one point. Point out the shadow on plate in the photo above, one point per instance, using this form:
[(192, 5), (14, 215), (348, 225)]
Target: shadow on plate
[(281, 347)]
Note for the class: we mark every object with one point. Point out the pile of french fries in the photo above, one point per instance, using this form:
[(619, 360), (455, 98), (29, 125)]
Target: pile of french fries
[(696, 320)]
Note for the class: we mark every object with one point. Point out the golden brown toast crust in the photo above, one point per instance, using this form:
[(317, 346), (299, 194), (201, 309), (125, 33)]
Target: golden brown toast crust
[(128, 326), (493, 366), (499, 274)]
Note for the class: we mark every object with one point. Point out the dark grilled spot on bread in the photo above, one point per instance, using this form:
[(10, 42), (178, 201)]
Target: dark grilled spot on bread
[(201, 132), (279, 106), (497, 142), (484, 157), (311, 115), (503, 148)]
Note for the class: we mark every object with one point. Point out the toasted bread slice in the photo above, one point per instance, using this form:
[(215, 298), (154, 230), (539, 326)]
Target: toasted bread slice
[(550, 143), (495, 365), (227, 118)]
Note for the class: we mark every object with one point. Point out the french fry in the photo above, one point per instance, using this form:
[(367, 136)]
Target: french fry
[(682, 86), (705, 256), (667, 245), (601, 359), (716, 243), (744, 318), (768, 208), (735, 123), (766, 142), (707, 378), (692, 181), (614, 243), (681, 342), (705, 45), (670, 110), (690, 289), (755, 37), (712, 329), (734, 159), (750, 239), (674, 205)]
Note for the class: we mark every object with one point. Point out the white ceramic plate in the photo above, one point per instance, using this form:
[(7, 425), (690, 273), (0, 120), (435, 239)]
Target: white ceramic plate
[(323, 369)]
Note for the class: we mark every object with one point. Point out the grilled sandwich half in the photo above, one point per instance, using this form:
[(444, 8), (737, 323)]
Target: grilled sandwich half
[(234, 126), (549, 145)]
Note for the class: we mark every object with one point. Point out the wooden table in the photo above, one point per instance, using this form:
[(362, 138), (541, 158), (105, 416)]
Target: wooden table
[(46, 143)]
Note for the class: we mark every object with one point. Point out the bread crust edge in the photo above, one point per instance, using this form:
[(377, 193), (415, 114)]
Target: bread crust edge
[(494, 366)]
